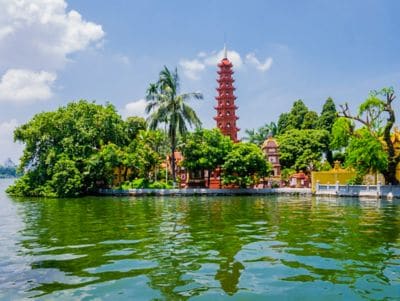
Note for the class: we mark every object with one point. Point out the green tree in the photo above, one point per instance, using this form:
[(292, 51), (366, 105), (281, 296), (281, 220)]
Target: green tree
[(100, 166), (302, 149), (310, 120), (153, 150), (71, 135), (326, 121), (244, 165), (167, 106), (66, 179), (341, 133), (297, 114), (328, 115), (299, 117), (205, 150), (133, 125), (375, 115), (283, 122), (366, 153), (258, 136)]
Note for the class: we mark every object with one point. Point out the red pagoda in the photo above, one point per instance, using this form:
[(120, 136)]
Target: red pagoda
[(226, 109)]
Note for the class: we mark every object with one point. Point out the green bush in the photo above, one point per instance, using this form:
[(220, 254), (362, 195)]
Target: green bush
[(141, 183)]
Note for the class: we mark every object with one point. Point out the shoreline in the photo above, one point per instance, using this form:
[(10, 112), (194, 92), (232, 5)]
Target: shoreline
[(206, 192), (356, 191)]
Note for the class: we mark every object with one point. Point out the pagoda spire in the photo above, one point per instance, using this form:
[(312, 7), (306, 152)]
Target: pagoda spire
[(225, 52), (226, 109)]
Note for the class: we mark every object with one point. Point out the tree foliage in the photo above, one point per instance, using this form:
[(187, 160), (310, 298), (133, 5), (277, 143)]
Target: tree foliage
[(299, 117), (377, 117), (302, 149), (328, 115), (244, 165), (366, 153), (258, 136), (170, 108), (205, 150), (75, 150)]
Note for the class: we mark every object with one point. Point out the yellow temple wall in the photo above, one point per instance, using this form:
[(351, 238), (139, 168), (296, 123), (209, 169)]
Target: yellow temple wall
[(331, 177), (343, 176)]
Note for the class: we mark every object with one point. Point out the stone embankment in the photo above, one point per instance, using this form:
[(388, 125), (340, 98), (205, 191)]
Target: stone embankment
[(206, 192), (335, 190), (362, 191)]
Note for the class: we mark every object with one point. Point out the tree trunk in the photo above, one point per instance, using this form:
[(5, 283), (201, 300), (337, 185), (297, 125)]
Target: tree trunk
[(390, 173), (173, 165), (329, 157), (173, 147)]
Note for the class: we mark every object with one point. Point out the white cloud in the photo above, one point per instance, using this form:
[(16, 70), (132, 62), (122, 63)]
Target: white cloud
[(214, 58), (135, 108), (265, 66), (40, 34), (26, 86), (5, 31), (9, 149), (192, 68)]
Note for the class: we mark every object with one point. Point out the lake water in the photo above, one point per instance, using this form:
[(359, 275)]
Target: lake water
[(236, 248)]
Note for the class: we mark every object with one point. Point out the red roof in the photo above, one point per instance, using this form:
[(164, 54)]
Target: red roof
[(300, 175), (225, 62)]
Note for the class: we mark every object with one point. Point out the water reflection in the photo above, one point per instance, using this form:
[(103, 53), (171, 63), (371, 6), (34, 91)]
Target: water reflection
[(201, 247)]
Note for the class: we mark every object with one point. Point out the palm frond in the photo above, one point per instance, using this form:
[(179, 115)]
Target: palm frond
[(189, 96), (190, 115), (182, 129)]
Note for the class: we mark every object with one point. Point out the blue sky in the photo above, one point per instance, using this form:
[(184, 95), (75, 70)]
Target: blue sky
[(55, 51)]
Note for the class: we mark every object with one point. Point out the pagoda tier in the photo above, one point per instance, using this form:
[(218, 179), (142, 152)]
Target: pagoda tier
[(226, 109), (225, 80)]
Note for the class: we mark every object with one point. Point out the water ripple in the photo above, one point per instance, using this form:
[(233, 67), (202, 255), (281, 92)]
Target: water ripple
[(260, 248)]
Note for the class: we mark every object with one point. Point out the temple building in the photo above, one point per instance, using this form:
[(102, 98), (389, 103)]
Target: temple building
[(226, 109), (270, 149)]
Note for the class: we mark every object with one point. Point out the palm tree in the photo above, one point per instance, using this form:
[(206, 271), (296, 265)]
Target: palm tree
[(258, 136), (168, 107)]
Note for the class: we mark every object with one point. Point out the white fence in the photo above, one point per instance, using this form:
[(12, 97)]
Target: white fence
[(375, 191)]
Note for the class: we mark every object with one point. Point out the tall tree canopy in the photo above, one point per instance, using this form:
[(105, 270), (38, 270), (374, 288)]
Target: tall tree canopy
[(169, 107), (299, 117), (325, 122), (244, 165), (58, 145), (205, 150), (328, 115), (376, 117), (77, 148), (302, 149)]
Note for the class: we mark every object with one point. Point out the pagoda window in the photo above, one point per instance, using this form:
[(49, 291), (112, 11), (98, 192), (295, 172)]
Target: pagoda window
[(228, 125), (228, 113), (228, 103), (220, 125), (220, 113)]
